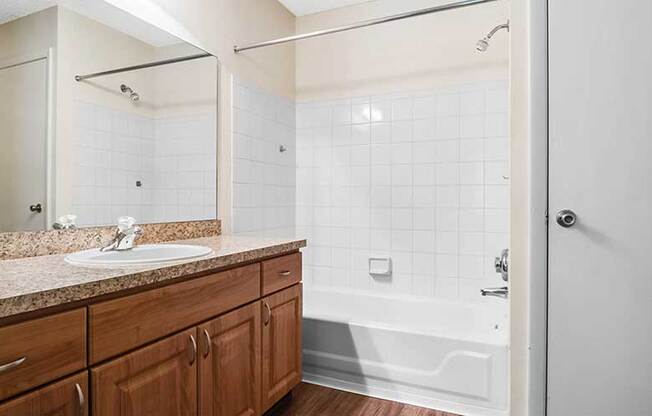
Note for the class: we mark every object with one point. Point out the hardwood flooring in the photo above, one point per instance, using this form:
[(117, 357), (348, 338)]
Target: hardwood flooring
[(313, 400)]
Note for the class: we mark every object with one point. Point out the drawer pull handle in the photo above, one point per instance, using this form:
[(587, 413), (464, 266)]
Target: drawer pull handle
[(285, 273), (13, 364), (192, 356), (207, 337), (269, 313), (80, 398)]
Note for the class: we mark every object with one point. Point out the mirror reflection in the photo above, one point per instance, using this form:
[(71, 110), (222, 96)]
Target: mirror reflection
[(102, 116)]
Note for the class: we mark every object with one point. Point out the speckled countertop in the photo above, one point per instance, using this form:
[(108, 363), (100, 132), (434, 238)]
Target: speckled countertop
[(34, 283)]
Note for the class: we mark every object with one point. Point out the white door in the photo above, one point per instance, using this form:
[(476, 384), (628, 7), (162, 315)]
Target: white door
[(23, 146), (600, 269)]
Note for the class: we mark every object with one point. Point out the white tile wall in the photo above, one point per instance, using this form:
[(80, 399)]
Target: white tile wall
[(418, 176), (263, 176), (173, 158)]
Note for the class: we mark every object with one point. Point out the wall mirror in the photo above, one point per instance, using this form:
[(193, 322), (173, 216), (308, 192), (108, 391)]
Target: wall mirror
[(102, 115)]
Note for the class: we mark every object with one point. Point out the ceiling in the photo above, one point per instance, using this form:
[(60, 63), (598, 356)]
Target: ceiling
[(304, 7), (98, 10)]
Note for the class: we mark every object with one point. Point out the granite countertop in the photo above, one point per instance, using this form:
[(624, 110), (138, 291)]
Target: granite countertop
[(33, 283)]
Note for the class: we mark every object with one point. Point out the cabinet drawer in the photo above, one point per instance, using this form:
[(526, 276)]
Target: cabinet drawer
[(38, 351), (281, 272), (68, 397), (121, 324)]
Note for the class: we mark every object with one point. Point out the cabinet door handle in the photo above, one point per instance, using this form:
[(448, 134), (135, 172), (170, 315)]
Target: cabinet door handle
[(192, 352), (207, 338), (81, 400), (269, 313), (13, 364), (285, 273)]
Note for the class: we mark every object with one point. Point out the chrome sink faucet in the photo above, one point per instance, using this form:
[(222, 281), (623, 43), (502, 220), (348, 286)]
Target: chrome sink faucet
[(125, 236)]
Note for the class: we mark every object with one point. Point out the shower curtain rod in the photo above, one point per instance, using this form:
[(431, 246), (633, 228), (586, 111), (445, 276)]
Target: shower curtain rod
[(372, 22), (142, 66)]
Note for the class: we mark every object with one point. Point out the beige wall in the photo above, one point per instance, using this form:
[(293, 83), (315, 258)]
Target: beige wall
[(28, 35), (423, 52), (218, 25)]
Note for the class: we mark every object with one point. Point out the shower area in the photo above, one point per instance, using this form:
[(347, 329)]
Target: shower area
[(393, 161)]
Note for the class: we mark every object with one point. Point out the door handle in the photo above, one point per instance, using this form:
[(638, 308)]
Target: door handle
[(269, 314), (192, 351), (80, 399), (38, 208), (566, 218), (207, 339)]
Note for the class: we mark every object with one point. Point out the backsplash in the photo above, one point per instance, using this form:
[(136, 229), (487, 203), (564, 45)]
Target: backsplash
[(153, 169), (42, 243), (420, 177)]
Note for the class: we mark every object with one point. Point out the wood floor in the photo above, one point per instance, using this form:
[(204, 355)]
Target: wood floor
[(313, 400)]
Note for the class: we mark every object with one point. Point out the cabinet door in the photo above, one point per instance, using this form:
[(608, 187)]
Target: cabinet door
[(229, 364), (160, 380), (281, 344), (65, 398)]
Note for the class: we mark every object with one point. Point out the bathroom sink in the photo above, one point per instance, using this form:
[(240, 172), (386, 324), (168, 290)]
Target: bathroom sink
[(142, 254)]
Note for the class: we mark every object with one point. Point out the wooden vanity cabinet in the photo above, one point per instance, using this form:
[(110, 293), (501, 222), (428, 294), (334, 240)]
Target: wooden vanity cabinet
[(68, 397), (209, 346), (282, 314)]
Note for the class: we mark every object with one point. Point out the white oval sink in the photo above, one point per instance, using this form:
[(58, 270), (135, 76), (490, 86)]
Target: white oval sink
[(143, 254)]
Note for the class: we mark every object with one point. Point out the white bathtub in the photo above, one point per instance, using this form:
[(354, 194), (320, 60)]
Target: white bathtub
[(442, 355)]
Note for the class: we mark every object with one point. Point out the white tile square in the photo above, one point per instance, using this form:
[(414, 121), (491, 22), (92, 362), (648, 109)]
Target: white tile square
[(401, 218), (401, 153), (424, 218), (381, 154), (401, 131), (472, 126), (360, 134), (402, 109), (424, 241), (423, 263), (402, 196), (446, 242), (424, 129), (448, 174), (424, 152), (381, 175), (447, 151), (424, 196), (471, 220), (445, 265), (381, 133), (401, 175), (424, 174), (448, 105), (425, 107), (471, 150), (497, 125), (472, 196), (473, 102), (447, 128), (402, 240)]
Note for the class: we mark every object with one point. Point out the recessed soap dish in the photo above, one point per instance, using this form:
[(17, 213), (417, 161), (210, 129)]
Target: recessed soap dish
[(380, 266)]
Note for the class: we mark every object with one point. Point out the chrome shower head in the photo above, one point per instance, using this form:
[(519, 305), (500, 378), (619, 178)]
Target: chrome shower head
[(133, 95), (483, 44)]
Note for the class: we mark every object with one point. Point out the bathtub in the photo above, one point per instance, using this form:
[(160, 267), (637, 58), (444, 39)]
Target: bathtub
[(438, 354)]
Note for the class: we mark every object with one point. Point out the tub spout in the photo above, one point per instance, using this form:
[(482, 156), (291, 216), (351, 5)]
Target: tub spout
[(499, 292)]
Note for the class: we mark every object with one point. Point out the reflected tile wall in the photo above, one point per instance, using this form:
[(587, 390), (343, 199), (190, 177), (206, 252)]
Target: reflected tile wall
[(173, 159), (417, 176)]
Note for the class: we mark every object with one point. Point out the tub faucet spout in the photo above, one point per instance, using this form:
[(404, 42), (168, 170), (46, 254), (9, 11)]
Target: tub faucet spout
[(498, 292)]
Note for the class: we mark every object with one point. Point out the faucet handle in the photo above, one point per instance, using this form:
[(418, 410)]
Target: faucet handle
[(125, 223)]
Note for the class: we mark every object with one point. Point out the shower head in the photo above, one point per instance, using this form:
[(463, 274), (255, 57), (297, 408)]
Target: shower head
[(483, 44), (133, 95)]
